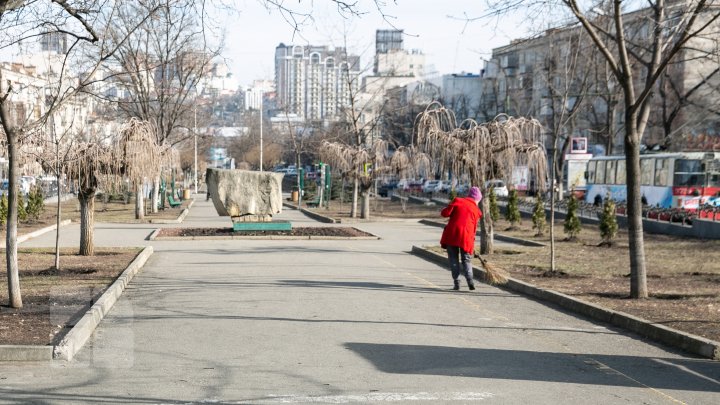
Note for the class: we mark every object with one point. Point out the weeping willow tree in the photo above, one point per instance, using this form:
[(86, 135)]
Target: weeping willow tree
[(93, 165), (481, 151), (140, 155), (352, 161)]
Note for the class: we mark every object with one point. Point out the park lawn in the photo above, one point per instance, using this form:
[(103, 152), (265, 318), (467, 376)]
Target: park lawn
[(116, 212), (54, 300)]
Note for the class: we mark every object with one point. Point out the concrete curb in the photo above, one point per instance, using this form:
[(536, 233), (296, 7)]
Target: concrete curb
[(84, 328), (39, 232), (690, 343), (25, 353), (320, 217), (496, 236), (179, 219), (154, 236)]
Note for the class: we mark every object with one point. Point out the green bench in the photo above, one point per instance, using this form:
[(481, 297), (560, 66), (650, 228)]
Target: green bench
[(173, 203), (313, 203)]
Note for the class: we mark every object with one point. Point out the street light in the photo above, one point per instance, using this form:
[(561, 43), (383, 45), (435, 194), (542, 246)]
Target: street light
[(261, 129), (195, 153)]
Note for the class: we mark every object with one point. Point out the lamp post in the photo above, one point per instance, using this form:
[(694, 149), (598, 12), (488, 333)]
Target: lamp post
[(195, 167), (262, 93)]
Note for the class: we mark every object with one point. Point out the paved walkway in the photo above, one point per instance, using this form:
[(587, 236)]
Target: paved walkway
[(271, 321)]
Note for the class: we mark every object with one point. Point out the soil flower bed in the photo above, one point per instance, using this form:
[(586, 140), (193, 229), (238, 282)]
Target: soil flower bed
[(54, 300), (347, 232)]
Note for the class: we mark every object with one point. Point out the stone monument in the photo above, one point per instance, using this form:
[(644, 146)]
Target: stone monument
[(249, 198)]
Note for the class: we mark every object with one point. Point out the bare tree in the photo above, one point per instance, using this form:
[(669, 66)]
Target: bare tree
[(160, 70), (638, 46), (482, 151), (70, 73)]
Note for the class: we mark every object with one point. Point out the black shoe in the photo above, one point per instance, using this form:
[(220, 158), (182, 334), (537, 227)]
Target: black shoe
[(456, 286), (471, 286)]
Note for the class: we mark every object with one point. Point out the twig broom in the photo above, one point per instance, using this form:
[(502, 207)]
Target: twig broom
[(493, 275)]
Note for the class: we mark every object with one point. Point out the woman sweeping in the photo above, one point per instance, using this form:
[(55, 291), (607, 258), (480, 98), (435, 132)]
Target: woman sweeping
[(459, 235)]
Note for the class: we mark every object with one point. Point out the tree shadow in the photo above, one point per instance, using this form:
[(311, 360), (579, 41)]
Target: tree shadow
[(573, 368)]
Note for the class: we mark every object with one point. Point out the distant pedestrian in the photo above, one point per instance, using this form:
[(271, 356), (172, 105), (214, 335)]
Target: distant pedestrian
[(458, 237)]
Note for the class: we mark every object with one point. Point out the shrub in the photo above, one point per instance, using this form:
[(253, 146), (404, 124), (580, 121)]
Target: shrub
[(608, 222), (513, 212), (538, 217), (35, 204), (3, 209), (572, 222), (22, 213), (494, 210)]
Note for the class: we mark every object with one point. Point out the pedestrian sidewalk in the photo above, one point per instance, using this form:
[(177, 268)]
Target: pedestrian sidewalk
[(300, 321)]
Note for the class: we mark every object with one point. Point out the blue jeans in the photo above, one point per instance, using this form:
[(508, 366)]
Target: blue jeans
[(455, 256)]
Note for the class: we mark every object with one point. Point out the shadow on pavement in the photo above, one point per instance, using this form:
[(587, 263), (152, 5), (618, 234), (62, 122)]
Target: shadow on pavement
[(570, 368)]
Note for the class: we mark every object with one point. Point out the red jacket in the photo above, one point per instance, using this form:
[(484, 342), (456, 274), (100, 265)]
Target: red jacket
[(460, 230)]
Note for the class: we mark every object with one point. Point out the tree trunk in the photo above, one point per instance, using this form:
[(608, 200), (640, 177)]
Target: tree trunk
[(353, 210), (87, 222), (155, 194), (139, 201), (486, 229), (638, 272), (299, 179), (552, 225), (366, 204), (11, 259), (58, 217)]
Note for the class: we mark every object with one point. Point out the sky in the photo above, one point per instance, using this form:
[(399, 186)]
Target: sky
[(437, 28)]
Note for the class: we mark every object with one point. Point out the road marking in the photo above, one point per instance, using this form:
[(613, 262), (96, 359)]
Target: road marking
[(602, 366), (687, 370), (380, 397)]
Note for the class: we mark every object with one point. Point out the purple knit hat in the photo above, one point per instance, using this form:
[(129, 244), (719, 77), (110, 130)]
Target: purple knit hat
[(475, 194)]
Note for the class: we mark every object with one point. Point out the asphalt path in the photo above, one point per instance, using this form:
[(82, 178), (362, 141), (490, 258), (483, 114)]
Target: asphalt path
[(340, 321)]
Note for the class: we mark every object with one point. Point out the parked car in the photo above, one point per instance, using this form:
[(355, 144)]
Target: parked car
[(498, 187), (432, 186), (445, 186), (386, 188), (415, 186)]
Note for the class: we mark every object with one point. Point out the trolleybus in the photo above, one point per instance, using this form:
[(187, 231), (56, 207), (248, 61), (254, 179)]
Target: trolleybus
[(668, 180)]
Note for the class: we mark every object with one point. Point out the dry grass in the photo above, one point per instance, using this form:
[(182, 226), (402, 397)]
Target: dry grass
[(104, 212), (52, 299)]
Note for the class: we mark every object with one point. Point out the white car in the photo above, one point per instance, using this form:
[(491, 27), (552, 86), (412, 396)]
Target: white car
[(498, 186), (432, 186)]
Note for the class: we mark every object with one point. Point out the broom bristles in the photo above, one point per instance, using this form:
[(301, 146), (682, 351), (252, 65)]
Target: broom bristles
[(493, 275)]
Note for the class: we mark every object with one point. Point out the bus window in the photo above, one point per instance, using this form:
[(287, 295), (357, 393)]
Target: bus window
[(713, 180), (591, 172), (620, 177), (646, 171), (689, 173), (600, 173), (662, 172), (610, 172)]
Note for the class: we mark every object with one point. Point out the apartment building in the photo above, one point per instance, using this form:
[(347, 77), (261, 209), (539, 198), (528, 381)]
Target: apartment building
[(315, 82), (550, 75)]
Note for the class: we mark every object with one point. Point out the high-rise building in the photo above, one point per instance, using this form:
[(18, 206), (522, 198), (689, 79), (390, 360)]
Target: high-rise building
[(54, 42), (388, 40), (315, 82)]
